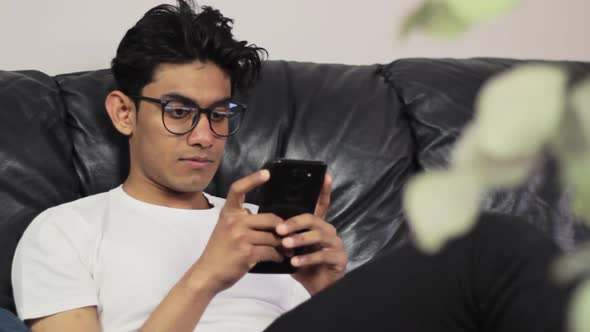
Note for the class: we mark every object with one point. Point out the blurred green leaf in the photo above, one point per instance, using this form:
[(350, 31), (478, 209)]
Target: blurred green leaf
[(519, 110), (570, 266), (441, 205), (472, 11), (450, 18), (580, 101), (571, 145), (574, 149), (580, 309), (570, 142), (577, 177), (468, 156), (435, 18)]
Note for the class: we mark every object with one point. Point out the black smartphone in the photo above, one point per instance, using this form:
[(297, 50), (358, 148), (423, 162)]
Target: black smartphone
[(293, 189)]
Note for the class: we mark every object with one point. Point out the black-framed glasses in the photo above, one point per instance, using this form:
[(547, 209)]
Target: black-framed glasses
[(181, 115)]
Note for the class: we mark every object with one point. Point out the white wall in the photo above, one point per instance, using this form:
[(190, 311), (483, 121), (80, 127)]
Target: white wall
[(71, 35)]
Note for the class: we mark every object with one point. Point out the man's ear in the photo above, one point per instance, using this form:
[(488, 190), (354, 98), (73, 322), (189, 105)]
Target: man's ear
[(121, 110)]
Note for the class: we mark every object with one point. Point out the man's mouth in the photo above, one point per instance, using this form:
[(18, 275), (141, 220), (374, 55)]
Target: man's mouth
[(196, 162)]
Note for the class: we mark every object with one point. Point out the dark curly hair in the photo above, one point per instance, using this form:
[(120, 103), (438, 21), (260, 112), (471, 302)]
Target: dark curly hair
[(180, 35)]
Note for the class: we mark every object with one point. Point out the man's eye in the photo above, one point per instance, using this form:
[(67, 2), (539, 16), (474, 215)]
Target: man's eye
[(178, 112), (219, 115)]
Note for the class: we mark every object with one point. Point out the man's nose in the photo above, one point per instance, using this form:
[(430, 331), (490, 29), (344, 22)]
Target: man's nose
[(201, 134)]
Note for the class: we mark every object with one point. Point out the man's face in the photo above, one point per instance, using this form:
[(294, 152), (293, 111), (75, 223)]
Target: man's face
[(179, 163)]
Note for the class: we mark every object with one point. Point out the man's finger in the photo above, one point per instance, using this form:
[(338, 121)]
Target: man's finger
[(311, 238), (321, 208), (305, 222), (298, 223), (334, 259), (263, 221), (262, 238), (265, 253), (237, 191)]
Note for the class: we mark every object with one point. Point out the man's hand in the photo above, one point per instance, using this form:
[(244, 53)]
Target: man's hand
[(327, 263), (239, 240)]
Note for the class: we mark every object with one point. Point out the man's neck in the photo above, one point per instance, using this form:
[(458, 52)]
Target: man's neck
[(159, 195)]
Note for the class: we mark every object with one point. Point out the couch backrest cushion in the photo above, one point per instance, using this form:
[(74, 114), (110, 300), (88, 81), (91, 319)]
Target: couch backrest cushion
[(101, 153), (439, 95), (35, 160)]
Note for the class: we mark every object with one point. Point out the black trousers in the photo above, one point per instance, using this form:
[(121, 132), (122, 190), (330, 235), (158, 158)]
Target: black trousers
[(496, 278)]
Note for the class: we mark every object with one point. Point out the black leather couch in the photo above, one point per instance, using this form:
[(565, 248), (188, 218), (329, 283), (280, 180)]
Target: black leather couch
[(375, 126)]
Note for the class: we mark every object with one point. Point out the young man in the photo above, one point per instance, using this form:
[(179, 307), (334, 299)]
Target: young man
[(157, 254)]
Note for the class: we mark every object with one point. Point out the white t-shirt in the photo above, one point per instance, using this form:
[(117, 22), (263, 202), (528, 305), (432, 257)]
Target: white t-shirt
[(123, 256)]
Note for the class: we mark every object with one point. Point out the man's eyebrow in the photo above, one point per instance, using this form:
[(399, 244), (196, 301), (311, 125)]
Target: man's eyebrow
[(180, 97)]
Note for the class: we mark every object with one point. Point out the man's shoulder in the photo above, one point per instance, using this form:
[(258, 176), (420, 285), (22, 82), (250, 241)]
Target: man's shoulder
[(78, 214), (85, 206)]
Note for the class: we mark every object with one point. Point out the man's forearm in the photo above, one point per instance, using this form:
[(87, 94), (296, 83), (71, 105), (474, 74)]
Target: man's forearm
[(183, 307)]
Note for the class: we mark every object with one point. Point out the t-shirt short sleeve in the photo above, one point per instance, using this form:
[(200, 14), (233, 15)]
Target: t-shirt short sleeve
[(51, 270)]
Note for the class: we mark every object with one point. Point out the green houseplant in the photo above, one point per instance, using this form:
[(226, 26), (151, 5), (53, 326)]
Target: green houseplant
[(518, 113)]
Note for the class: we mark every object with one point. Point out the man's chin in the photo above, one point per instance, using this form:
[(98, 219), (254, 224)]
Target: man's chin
[(192, 186)]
